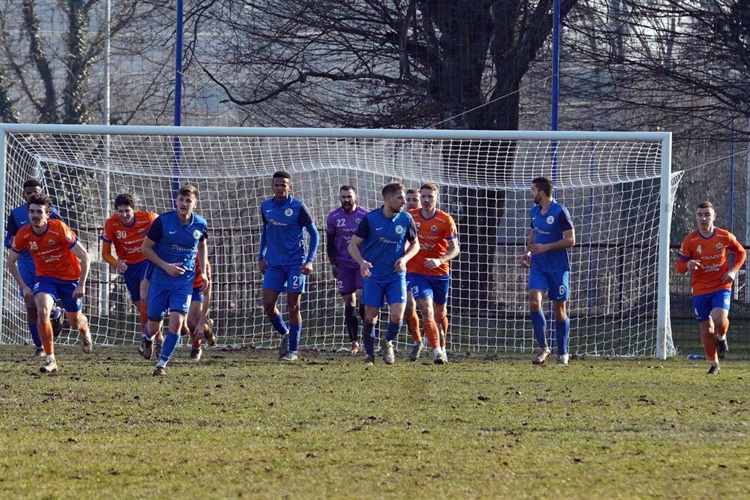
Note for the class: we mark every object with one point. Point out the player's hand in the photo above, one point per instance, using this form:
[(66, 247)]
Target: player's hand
[(525, 260), (730, 276), (537, 248), (121, 266), (206, 280), (78, 292), (306, 268), (364, 269), (175, 269), (199, 329), (263, 266), (27, 292), (693, 265), (432, 263)]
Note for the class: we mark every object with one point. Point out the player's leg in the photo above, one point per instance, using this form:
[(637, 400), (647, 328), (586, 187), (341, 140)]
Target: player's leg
[(178, 305), (295, 282), (45, 301), (194, 315), (702, 307), (73, 311), (537, 286), (274, 282), (559, 291), (32, 320), (440, 288), (347, 287), (157, 303), (412, 318), (395, 294), (372, 298), (720, 305)]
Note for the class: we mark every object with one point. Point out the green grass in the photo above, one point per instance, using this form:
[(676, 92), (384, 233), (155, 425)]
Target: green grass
[(241, 424)]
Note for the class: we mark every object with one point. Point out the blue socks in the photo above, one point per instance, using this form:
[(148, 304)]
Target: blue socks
[(170, 344), (393, 329), (539, 323), (562, 335), (368, 337), (278, 323), (34, 330), (294, 335)]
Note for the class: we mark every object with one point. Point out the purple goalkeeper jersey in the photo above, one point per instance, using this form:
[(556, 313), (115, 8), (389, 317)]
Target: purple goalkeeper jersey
[(341, 226)]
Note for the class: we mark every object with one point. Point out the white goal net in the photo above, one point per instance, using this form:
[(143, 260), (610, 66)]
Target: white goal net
[(617, 187)]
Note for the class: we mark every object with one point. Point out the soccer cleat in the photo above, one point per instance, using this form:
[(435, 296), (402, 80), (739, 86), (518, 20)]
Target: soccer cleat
[(290, 356), (49, 366), (86, 344), (196, 353), (441, 358), (562, 359), (284, 346), (57, 324), (39, 351), (209, 333), (388, 355), (158, 345), (713, 370), (541, 356), (355, 348), (160, 371), (370, 360), (416, 351), (146, 348), (722, 346)]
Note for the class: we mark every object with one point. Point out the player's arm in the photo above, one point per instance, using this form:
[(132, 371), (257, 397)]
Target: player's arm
[(263, 244), (108, 237), (11, 228), (203, 262), (154, 234), (12, 262), (739, 259), (305, 220), (565, 224), (83, 256), (411, 251), (525, 260), (684, 261), (355, 247), (331, 240)]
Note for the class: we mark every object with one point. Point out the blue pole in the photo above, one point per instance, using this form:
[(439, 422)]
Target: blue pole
[(176, 145), (731, 184)]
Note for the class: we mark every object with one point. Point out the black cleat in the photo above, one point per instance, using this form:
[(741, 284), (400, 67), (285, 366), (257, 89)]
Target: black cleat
[(57, 324), (714, 370)]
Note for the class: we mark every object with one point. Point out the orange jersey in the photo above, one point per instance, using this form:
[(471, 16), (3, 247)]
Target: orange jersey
[(51, 250), (128, 239), (198, 281), (434, 234), (711, 253)]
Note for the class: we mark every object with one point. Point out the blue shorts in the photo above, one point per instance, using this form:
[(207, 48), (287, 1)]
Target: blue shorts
[(422, 286), (174, 297), (393, 290), (557, 284), (59, 289), (284, 279), (349, 280), (197, 295), (133, 275), (28, 273), (704, 304)]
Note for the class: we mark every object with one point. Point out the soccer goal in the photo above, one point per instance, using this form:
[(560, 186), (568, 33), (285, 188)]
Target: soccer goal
[(617, 186)]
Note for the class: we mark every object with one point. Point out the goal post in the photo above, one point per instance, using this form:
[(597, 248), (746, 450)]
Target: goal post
[(618, 187)]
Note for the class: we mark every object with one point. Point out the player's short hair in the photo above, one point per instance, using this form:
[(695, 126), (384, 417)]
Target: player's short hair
[(412, 191), (32, 183), (125, 199), (40, 199), (392, 188), (544, 185), (188, 190), (283, 175), (429, 185), (347, 187), (705, 204)]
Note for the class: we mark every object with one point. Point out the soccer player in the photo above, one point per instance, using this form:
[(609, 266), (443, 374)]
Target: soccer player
[(127, 229), (18, 218), (382, 245), (62, 266), (340, 226), (704, 254), (428, 273), (551, 235), (171, 245), (198, 325), (283, 261), (413, 202)]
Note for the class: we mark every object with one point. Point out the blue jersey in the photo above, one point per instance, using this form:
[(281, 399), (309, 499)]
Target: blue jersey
[(384, 241), (282, 241), (19, 217), (548, 227), (176, 242)]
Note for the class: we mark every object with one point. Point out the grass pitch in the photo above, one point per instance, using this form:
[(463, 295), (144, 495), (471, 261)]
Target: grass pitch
[(240, 424)]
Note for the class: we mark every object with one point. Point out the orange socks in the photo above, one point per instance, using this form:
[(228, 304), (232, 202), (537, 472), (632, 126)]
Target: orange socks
[(45, 332), (709, 345), (412, 323), (432, 334), (143, 313)]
